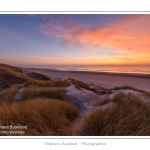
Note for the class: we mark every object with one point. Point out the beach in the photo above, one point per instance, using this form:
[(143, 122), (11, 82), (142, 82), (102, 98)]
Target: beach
[(74, 102), (103, 79)]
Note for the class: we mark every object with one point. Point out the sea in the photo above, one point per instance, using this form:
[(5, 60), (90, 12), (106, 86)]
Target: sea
[(137, 69)]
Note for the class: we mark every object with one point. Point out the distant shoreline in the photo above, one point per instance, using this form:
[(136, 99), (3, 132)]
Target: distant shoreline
[(103, 79), (107, 69), (138, 75)]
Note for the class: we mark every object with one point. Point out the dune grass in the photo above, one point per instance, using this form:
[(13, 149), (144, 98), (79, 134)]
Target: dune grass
[(32, 92), (79, 85), (10, 67), (37, 76), (42, 117), (10, 76), (8, 94), (127, 88), (102, 102), (147, 94), (49, 83), (130, 117)]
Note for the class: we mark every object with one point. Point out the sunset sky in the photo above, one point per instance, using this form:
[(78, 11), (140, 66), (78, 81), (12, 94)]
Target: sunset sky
[(43, 40)]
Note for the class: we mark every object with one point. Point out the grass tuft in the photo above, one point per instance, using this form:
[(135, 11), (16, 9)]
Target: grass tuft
[(126, 88), (51, 83), (129, 118), (79, 85), (44, 92), (10, 76), (147, 94), (102, 102), (42, 117), (38, 76), (8, 94)]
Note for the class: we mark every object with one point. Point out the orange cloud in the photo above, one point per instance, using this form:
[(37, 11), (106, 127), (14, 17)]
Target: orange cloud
[(130, 36), (130, 33)]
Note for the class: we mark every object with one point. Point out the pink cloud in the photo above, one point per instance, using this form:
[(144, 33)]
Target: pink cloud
[(131, 33)]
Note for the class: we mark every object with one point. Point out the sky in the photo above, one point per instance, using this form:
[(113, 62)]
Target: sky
[(74, 39)]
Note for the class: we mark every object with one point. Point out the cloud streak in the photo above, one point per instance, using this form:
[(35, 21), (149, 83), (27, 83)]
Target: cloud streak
[(130, 33)]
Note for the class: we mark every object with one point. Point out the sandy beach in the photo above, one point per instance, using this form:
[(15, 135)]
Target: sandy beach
[(103, 79)]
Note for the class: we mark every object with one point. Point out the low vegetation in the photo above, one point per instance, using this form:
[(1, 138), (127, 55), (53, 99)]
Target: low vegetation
[(7, 95), (147, 94), (10, 76), (79, 85), (127, 88), (44, 92), (37, 76), (11, 68), (51, 83), (42, 106), (131, 88), (102, 102), (130, 117), (42, 117)]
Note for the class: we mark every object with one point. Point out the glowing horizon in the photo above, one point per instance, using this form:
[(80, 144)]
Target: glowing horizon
[(74, 39)]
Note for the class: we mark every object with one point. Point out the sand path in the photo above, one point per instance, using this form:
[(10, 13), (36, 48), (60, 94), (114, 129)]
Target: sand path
[(17, 97), (83, 99)]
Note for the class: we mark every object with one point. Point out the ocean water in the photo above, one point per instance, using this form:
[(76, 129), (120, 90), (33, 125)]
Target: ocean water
[(138, 69)]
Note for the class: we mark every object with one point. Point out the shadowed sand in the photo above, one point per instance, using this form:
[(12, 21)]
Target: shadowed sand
[(106, 80)]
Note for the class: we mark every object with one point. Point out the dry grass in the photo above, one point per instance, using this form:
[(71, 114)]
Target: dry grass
[(44, 92), (7, 95), (129, 118), (37, 76), (51, 83), (10, 67), (102, 102), (79, 85), (127, 88), (147, 94), (10, 76), (43, 117)]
